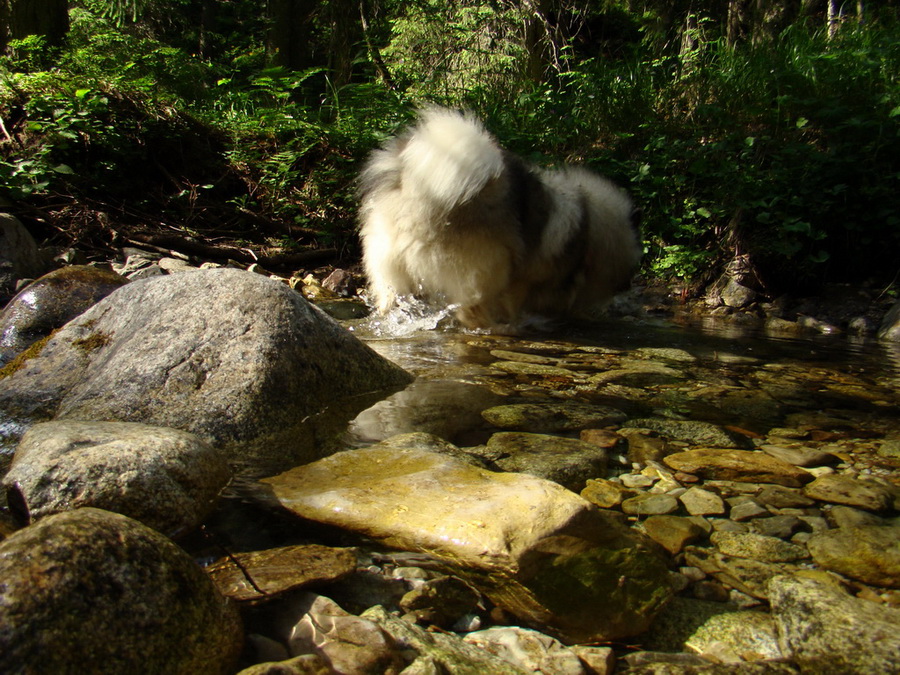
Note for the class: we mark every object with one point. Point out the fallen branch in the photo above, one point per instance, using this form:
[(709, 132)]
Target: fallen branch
[(186, 245)]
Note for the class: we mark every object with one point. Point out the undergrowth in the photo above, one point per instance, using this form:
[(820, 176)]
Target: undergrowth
[(783, 152)]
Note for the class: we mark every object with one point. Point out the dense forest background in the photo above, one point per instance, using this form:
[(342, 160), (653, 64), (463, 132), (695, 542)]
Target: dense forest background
[(754, 133)]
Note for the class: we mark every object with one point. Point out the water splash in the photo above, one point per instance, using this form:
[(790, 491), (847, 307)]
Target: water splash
[(409, 316)]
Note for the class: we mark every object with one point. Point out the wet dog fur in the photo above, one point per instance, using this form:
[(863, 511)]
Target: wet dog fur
[(449, 216)]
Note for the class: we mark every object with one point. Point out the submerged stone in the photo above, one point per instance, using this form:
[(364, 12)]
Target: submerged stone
[(567, 461), (535, 548), (692, 431), (838, 489), (825, 630), (550, 417), (738, 465), (264, 575), (868, 553)]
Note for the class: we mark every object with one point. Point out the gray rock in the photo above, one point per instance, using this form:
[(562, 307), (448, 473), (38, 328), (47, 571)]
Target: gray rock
[(19, 257), (826, 631), (167, 479), (231, 356), (49, 303), (890, 325), (113, 596), (736, 295), (550, 417), (691, 431), (869, 553), (747, 510), (567, 461), (536, 549)]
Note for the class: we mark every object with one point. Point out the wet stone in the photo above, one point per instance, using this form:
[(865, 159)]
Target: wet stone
[(95, 592), (869, 553), (847, 516), (440, 601), (825, 630), (636, 480), (666, 353), (738, 465), (804, 457), (551, 417), (524, 357), (747, 510), (528, 650), (647, 504), (532, 369), (781, 497), (840, 489), (691, 431), (700, 502), (673, 533), (757, 547), (783, 527), (566, 461), (642, 447), (264, 575), (601, 438), (604, 493), (743, 574), (50, 302)]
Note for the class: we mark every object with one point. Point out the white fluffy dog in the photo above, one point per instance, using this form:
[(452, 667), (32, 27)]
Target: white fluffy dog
[(450, 217)]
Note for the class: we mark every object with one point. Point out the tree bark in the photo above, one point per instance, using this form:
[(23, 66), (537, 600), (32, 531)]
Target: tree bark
[(290, 31)]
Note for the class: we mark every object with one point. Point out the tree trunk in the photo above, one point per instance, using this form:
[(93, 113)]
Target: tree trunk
[(834, 17), (345, 36), (290, 31), (21, 18)]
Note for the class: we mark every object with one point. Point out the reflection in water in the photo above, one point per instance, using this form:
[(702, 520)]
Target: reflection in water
[(445, 408), (737, 376)]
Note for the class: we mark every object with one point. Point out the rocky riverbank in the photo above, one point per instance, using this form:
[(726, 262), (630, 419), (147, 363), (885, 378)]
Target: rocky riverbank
[(628, 497)]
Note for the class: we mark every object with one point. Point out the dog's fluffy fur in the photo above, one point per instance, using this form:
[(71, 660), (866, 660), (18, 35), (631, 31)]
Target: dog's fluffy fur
[(447, 215)]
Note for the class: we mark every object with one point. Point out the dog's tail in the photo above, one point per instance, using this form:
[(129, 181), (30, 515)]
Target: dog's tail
[(449, 158)]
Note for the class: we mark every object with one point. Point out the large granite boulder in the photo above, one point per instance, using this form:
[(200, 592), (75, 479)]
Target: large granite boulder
[(232, 356), (90, 591), (165, 478), (536, 549)]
